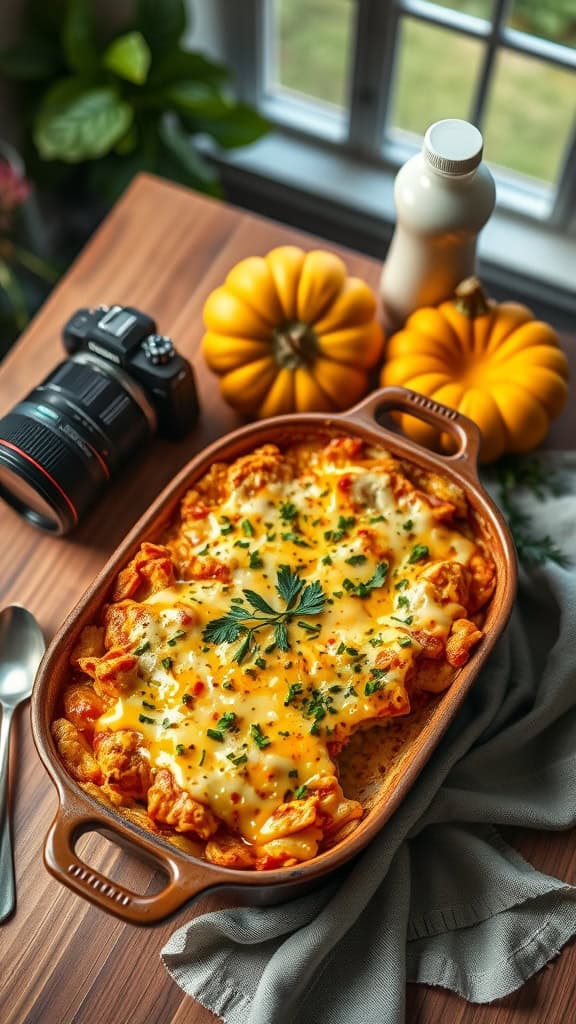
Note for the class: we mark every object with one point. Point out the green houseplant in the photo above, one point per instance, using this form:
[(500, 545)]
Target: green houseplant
[(99, 109)]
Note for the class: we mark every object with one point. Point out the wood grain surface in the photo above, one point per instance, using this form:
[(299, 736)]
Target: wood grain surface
[(62, 961)]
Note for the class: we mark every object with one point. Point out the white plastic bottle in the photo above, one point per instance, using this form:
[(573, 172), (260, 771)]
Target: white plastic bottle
[(444, 196)]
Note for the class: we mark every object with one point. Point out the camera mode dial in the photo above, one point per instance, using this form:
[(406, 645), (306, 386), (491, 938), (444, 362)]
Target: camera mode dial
[(158, 349)]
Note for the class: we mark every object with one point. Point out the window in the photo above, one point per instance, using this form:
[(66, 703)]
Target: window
[(355, 83)]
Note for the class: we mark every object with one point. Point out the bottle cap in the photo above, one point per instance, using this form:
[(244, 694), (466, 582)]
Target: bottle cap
[(453, 146)]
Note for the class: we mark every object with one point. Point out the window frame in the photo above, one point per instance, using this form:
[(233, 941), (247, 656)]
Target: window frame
[(317, 132)]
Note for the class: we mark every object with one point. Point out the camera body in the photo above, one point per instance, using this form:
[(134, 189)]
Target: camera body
[(121, 384), (127, 338)]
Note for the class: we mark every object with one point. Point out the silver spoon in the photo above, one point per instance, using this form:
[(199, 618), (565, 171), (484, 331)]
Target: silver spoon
[(21, 650)]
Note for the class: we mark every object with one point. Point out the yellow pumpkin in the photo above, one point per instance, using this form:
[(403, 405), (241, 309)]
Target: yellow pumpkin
[(291, 332), (492, 361)]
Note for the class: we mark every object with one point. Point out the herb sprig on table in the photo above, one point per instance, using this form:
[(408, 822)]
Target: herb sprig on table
[(512, 475), (242, 621)]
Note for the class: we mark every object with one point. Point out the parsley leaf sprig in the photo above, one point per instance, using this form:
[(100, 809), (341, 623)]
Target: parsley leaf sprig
[(512, 474), (241, 621), (363, 588)]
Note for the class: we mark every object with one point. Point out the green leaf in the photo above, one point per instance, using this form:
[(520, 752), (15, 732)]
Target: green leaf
[(77, 122), (197, 99), (257, 601), (239, 127), (312, 600), (79, 37), (181, 66), (281, 637), (221, 631), (31, 60), (288, 584), (129, 57), (162, 22), (180, 145), (419, 551)]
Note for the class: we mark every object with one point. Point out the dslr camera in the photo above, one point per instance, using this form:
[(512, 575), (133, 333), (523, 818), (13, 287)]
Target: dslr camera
[(121, 383)]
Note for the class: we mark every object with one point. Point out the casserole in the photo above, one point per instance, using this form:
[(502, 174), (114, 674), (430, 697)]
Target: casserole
[(188, 875)]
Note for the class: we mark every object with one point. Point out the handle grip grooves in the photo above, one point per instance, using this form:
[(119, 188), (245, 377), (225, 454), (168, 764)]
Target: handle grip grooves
[(397, 399), (67, 867)]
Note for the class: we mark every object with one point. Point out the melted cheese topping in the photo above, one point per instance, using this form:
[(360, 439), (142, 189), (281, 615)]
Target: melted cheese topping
[(244, 732)]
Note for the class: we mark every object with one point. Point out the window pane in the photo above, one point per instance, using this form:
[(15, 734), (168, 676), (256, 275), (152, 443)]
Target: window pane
[(436, 75), (479, 8), (550, 19), (313, 42), (529, 116)]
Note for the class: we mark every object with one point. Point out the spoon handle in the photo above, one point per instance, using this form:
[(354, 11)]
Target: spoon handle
[(7, 887)]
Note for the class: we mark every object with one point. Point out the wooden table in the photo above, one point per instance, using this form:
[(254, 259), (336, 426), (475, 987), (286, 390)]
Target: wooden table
[(63, 962)]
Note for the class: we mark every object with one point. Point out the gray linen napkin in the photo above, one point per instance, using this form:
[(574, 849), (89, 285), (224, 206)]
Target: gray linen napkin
[(438, 897)]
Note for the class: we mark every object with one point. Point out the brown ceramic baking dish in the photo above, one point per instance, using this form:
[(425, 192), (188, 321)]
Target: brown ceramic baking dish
[(186, 876)]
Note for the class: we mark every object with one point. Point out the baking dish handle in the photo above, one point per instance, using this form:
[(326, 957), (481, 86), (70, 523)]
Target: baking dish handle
[(397, 399), (63, 862)]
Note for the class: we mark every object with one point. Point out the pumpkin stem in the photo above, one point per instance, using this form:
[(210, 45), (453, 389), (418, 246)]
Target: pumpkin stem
[(471, 299), (294, 343)]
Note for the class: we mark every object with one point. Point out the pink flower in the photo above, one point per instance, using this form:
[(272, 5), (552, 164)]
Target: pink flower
[(13, 191)]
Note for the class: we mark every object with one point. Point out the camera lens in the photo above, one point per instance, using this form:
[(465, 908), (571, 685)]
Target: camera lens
[(63, 442)]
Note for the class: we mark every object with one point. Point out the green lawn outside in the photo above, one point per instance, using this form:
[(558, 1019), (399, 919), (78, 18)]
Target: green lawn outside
[(530, 109)]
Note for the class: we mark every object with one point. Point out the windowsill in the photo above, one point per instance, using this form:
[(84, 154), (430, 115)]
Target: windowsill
[(357, 198)]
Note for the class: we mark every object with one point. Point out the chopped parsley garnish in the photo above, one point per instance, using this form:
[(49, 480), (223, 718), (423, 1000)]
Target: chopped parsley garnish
[(300, 792), (293, 690), (377, 519), (288, 511), (202, 759), (241, 543), (376, 683), (247, 528), (255, 560), (151, 707), (296, 539), (401, 585), (293, 773), (214, 734), (167, 663), (408, 524), (403, 601), (405, 641), (204, 550), (177, 636), (227, 721), (300, 599), (419, 551), (260, 662), (326, 560), (143, 648), (346, 522), (341, 648), (187, 698), (317, 708), (372, 687), (376, 641), (146, 720), (237, 759), (364, 589), (227, 528), (355, 559), (180, 749), (166, 723), (259, 738), (405, 622)]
